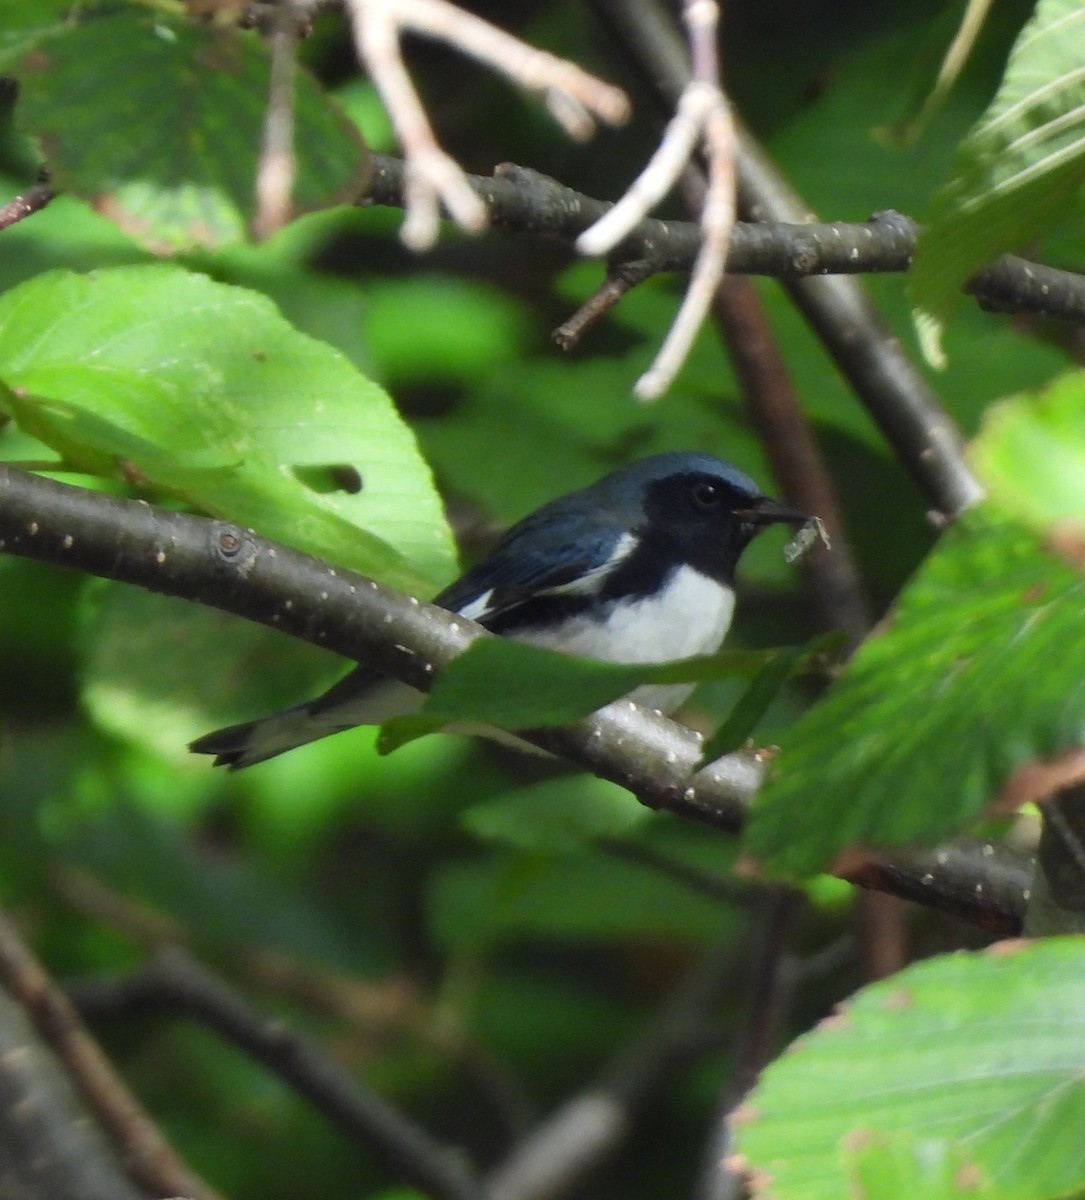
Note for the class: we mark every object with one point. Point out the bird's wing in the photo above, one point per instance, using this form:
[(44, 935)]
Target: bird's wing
[(556, 555)]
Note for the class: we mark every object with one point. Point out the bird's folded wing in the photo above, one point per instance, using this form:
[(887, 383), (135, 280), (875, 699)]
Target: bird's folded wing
[(534, 559)]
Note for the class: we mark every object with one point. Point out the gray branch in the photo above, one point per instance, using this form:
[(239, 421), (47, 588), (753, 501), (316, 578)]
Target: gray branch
[(174, 982), (50, 1146), (225, 567), (522, 200)]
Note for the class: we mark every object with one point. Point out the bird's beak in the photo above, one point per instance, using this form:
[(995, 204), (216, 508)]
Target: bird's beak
[(772, 512)]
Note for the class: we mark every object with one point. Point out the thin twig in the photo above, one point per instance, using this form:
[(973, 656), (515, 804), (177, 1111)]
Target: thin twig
[(576, 99), (717, 220), (173, 981), (679, 140), (702, 117), (873, 361), (431, 175), (717, 210), (797, 464), (277, 168), (150, 1160), (953, 62), (26, 205), (433, 178), (622, 279), (371, 1010)]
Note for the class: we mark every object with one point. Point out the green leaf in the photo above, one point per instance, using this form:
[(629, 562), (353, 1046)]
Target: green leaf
[(171, 156), (765, 686), (909, 1167), (1031, 455), (202, 390), (936, 711), (557, 816), (978, 1058), (26, 24), (517, 686), (512, 685), (1017, 171)]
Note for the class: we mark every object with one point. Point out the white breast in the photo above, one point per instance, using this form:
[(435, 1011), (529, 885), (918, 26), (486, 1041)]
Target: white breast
[(690, 616)]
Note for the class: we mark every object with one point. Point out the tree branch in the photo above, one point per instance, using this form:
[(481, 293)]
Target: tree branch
[(173, 981), (50, 1149), (30, 202), (870, 358), (221, 565), (767, 994), (276, 168), (433, 178), (150, 1161), (522, 200)]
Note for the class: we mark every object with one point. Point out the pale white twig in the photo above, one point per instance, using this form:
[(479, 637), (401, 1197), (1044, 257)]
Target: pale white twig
[(575, 98), (276, 169), (964, 41), (679, 140), (717, 221), (702, 117), (432, 176), (533, 69)]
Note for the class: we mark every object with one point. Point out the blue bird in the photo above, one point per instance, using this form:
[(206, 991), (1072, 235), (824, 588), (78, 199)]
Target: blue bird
[(638, 567)]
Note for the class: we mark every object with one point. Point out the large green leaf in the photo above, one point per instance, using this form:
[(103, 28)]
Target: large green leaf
[(1018, 169), (159, 124), (970, 1065), (204, 391), (980, 671), (512, 685)]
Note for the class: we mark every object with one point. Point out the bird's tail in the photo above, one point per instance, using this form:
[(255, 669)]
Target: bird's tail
[(362, 698), (251, 742)]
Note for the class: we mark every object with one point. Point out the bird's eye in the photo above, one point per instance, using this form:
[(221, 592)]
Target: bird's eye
[(707, 495)]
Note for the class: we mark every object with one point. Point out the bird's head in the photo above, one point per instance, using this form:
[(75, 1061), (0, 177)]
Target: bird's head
[(695, 507)]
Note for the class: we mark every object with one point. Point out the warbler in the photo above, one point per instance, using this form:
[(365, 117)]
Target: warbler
[(637, 568)]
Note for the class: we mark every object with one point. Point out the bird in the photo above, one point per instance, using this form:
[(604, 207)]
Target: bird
[(638, 567)]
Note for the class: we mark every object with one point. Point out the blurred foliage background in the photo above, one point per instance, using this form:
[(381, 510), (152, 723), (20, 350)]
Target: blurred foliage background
[(416, 912)]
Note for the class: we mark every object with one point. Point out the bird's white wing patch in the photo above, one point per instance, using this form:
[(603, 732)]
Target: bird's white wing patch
[(590, 580), (478, 607), (482, 605)]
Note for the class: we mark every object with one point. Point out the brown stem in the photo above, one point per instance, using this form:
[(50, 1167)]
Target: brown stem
[(832, 576), (26, 205)]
